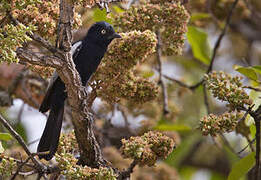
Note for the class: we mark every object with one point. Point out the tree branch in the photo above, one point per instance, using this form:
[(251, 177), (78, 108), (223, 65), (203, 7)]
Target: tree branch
[(90, 152), (44, 43), (249, 144), (20, 140), (19, 168), (252, 88), (126, 174), (27, 56), (218, 42), (257, 118), (161, 82)]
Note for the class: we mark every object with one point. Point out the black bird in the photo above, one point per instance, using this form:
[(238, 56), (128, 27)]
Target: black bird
[(87, 55)]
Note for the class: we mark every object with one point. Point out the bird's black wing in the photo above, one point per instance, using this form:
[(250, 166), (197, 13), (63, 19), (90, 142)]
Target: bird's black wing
[(46, 103), (50, 137)]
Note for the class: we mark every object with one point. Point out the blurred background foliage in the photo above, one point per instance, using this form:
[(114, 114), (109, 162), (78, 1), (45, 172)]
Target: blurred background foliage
[(185, 58)]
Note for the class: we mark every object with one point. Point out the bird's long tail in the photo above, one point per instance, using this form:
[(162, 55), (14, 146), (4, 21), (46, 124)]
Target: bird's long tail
[(50, 137)]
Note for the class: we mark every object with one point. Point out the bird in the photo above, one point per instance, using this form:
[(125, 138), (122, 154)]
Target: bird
[(87, 55)]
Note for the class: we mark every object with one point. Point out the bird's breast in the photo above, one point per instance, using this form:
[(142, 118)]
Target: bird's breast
[(88, 61)]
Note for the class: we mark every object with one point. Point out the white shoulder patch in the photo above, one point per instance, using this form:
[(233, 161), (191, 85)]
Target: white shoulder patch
[(75, 46)]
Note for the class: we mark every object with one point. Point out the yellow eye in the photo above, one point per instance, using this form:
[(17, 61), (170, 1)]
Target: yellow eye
[(103, 31)]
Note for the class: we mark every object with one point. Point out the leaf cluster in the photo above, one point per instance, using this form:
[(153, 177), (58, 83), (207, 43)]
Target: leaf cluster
[(227, 88), (7, 166), (147, 149), (215, 124), (115, 78), (11, 37), (67, 162), (170, 18)]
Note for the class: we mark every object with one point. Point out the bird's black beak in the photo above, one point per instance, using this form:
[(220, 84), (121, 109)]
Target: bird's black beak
[(115, 35)]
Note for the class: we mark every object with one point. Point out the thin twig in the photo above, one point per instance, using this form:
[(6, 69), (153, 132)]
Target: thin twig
[(217, 44), (34, 141), (19, 161), (246, 113), (252, 88), (27, 173), (19, 168), (161, 82), (180, 83), (39, 166), (126, 174), (249, 144)]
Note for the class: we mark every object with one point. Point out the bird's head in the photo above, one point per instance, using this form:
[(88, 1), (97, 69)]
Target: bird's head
[(102, 33)]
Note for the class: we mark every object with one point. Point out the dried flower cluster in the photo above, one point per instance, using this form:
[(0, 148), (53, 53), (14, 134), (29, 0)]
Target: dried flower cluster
[(214, 124), (169, 17), (42, 14), (227, 88), (11, 37), (68, 163), (147, 149), (7, 166), (33, 15), (115, 79)]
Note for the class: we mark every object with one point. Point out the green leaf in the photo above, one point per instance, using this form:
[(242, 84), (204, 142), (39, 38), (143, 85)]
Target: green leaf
[(257, 69), (170, 127), (101, 15), (198, 16), (1, 148), (247, 71), (5, 136), (241, 167), (198, 39)]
